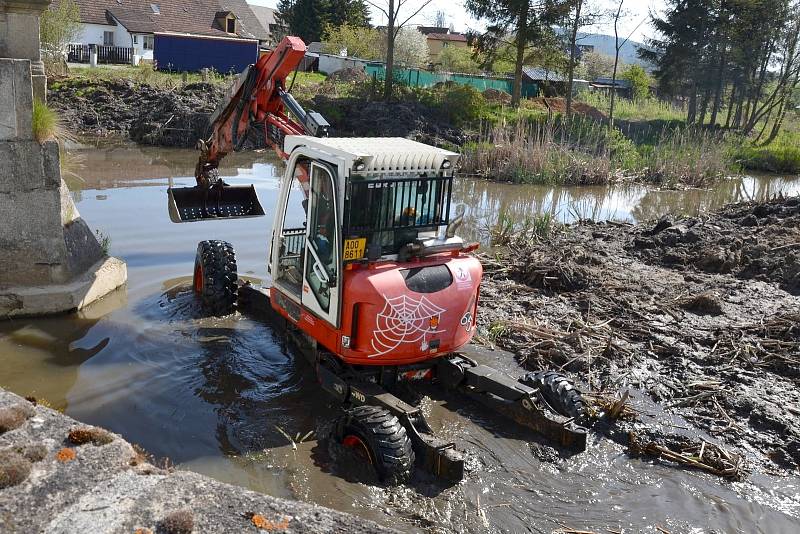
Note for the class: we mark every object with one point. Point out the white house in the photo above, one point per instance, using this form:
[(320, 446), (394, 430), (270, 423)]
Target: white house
[(132, 24)]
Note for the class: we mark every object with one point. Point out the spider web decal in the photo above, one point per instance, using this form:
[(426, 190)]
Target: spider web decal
[(403, 320)]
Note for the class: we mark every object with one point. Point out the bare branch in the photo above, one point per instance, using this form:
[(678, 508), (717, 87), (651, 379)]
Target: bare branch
[(415, 13)]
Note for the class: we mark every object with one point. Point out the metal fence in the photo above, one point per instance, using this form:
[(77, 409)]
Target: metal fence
[(426, 78), (79, 53)]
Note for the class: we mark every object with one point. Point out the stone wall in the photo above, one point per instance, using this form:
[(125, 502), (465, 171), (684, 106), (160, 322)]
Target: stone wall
[(42, 236)]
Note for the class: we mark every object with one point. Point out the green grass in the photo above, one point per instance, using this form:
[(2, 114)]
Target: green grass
[(45, 121), (648, 109), (780, 156)]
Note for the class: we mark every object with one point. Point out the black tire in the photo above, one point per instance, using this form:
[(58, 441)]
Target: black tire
[(560, 394), (386, 445), (215, 277)]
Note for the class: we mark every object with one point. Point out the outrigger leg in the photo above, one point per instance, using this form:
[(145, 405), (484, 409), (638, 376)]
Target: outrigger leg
[(455, 372)]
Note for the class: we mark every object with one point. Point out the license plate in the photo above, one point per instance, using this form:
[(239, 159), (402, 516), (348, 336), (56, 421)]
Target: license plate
[(354, 248)]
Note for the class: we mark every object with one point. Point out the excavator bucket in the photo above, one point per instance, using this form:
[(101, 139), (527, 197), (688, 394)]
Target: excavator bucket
[(190, 204)]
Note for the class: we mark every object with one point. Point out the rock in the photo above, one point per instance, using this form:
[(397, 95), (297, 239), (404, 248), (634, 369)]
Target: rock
[(100, 490)]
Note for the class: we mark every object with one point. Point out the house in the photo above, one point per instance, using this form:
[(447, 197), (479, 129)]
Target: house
[(623, 88), (440, 38), (550, 83), (181, 35), (266, 17)]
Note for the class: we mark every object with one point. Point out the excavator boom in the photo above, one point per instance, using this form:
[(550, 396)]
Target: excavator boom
[(255, 108)]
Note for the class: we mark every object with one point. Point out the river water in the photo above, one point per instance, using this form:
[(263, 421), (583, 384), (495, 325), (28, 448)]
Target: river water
[(217, 395)]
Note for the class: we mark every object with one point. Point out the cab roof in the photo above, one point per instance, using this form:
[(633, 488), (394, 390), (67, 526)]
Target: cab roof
[(379, 154)]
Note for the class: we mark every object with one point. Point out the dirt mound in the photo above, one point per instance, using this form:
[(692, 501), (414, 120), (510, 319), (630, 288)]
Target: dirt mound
[(759, 241), (559, 105), (150, 115), (497, 96), (701, 314), (348, 75), (357, 117)]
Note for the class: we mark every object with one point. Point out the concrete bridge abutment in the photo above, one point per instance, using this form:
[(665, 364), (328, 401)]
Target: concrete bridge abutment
[(50, 261)]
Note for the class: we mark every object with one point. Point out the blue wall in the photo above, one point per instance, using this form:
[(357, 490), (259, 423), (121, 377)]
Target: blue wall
[(178, 53)]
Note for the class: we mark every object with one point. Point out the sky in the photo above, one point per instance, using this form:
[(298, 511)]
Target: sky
[(637, 11)]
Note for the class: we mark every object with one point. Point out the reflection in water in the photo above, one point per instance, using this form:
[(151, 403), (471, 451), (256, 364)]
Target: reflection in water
[(622, 202), (210, 394)]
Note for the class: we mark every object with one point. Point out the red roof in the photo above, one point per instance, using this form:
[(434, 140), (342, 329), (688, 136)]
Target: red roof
[(180, 16), (458, 37)]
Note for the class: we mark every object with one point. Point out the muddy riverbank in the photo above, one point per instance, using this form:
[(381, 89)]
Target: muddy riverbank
[(179, 116), (701, 313)]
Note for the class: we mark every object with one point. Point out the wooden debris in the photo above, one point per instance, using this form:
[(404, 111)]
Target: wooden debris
[(704, 455)]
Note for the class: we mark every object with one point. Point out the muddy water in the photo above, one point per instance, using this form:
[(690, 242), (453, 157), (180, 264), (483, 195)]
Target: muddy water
[(218, 395)]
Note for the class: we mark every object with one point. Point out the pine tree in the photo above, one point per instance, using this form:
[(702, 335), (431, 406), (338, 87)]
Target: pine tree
[(308, 18)]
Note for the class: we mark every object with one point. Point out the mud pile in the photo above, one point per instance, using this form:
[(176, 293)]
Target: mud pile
[(358, 117), (703, 314), (147, 114)]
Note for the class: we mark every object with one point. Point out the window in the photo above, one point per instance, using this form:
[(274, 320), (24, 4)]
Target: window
[(292, 246), (321, 256), (231, 25), (395, 211), (135, 39), (108, 38), (155, 9), (147, 42)]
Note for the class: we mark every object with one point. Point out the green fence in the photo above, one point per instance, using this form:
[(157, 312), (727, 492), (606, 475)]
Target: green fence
[(425, 78)]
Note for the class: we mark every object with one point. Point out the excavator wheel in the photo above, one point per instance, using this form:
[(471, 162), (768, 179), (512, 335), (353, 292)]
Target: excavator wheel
[(377, 436), (215, 277), (559, 392)]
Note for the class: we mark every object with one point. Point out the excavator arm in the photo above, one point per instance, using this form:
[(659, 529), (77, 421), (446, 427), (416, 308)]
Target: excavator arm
[(256, 105)]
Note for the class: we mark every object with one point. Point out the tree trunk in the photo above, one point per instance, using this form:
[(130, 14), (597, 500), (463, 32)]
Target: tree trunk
[(718, 91), (573, 39), (388, 82), (616, 64), (522, 32), (691, 111), (704, 105), (731, 105)]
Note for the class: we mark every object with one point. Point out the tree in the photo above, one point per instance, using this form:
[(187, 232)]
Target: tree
[(639, 80), (454, 59), (58, 26), (617, 47), (359, 41), (308, 18), (395, 12), (745, 52), (410, 48), (596, 65), (517, 22), (581, 13)]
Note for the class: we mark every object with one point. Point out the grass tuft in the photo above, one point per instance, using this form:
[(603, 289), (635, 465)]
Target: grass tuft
[(12, 417), (46, 123), (14, 468), (83, 435), (178, 522)]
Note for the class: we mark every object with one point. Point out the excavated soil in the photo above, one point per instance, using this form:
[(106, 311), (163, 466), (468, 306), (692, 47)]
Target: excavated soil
[(147, 114), (702, 314), (179, 117)]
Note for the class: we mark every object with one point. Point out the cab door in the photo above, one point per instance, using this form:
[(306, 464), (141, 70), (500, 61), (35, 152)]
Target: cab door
[(322, 273)]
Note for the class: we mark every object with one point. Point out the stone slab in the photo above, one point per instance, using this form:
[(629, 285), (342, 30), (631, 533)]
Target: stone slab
[(16, 99), (103, 278), (109, 489)]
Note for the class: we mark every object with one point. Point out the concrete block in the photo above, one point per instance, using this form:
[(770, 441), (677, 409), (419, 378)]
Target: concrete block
[(22, 167), (16, 99), (97, 282), (22, 37)]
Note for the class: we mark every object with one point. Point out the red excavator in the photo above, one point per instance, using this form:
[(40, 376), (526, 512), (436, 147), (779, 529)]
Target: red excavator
[(367, 274)]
